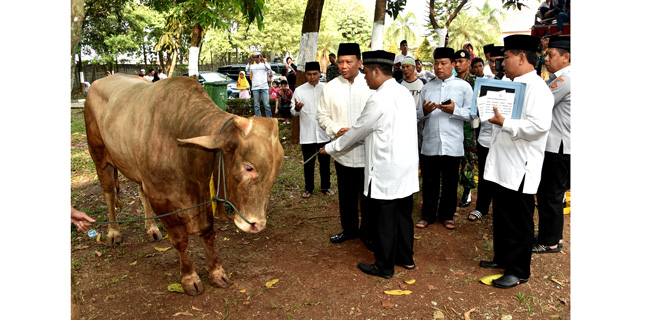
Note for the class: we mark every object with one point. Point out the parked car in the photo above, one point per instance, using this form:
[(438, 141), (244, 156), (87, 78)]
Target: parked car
[(211, 76)]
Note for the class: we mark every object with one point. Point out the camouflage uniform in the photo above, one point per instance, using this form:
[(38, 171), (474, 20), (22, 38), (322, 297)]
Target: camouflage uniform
[(469, 144), (332, 71)]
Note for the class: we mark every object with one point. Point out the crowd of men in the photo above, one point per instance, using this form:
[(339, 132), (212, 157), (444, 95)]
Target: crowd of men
[(380, 116)]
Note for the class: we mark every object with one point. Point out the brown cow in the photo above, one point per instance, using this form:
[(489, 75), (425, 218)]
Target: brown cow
[(164, 136)]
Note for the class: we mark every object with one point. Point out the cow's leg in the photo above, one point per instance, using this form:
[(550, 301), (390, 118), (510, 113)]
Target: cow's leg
[(153, 234), (107, 181), (190, 280), (218, 276)]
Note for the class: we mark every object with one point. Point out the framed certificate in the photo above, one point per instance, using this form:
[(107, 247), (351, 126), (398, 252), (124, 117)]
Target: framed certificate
[(507, 96)]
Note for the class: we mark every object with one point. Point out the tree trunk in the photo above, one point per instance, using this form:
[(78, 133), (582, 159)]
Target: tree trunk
[(441, 32), (377, 41), (161, 59), (77, 18), (172, 64), (307, 52), (195, 43)]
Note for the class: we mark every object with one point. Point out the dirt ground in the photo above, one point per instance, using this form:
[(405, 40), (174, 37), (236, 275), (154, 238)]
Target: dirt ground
[(316, 279)]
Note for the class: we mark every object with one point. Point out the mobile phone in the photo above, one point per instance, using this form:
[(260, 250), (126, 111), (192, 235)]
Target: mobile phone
[(448, 101)]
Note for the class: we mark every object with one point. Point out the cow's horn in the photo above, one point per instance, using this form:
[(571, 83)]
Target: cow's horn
[(243, 124), (208, 142)]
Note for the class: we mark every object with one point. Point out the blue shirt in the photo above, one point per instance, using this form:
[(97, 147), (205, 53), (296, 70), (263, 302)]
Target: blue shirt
[(443, 132)]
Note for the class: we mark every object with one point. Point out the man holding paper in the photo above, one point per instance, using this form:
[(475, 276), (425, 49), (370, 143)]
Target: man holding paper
[(444, 106), (514, 164)]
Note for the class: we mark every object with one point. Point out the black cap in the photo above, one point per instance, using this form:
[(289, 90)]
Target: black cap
[(497, 51), (311, 66), (521, 42), (461, 54), (559, 42), (349, 49), (378, 57), (443, 52), (487, 48)]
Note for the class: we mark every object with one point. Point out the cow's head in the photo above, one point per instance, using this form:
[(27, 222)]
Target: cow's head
[(253, 158)]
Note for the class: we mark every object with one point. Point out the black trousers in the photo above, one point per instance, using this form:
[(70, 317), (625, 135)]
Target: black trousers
[(309, 150), (484, 189), (350, 188), (554, 183), (394, 233), (432, 168), (513, 229)]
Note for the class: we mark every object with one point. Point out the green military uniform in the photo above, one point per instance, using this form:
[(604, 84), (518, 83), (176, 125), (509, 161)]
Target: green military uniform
[(332, 71), (469, 144)]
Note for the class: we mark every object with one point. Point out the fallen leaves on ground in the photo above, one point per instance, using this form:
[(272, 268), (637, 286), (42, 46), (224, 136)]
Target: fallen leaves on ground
[(133, 263), (466, 314), (183, 314), (271, 283), (412, 281), (488, 279), (386, 304), (162, 249), (397, 292), (175, 287)]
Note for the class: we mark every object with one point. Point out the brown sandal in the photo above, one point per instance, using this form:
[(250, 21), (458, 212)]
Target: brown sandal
[(422, 224), (449, 224)]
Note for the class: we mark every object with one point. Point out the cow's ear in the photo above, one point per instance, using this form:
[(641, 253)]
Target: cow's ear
[(208, 142), (243, 124)]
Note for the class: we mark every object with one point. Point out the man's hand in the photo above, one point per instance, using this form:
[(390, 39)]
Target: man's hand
[(80, 219), (428, 106), (448, 108), (322, 151), (342, 132), (299, 105), (497, 119)]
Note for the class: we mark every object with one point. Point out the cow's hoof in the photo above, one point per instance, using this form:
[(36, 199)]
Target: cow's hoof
[(192, 285), (154, 235), (219, 278), (113, 238)]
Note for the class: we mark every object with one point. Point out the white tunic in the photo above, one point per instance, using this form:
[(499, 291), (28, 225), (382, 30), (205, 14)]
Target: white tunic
[(339, 107), (387, 124), (310, 131), (517, 148)]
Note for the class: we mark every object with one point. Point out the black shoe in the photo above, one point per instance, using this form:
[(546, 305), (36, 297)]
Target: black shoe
[(508, 281), (406, 267), (490, 265), (341, 237), (372, 270), (466, 199)]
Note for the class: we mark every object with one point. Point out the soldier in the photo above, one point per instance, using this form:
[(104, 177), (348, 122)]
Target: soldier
[(557, 158), (462, 67)]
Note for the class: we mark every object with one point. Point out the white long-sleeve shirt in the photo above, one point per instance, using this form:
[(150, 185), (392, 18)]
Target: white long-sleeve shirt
[(388, 126), (310, 131), (443, 132), (339, 107), (517, 148)]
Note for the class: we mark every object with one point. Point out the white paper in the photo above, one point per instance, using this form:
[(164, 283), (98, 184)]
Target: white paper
[(503, 100)]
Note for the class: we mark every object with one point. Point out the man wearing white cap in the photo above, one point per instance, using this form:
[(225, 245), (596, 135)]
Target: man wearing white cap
[(414, 85)]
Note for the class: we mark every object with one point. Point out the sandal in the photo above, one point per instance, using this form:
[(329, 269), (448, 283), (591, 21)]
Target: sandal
[(422, 224), (540, 248), (307, 194), (477, 214), (327, 192), (449, 224)]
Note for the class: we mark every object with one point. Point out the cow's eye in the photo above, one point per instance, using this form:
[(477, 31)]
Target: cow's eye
[(248, 168)]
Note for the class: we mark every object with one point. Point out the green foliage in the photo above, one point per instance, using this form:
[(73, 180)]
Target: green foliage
[(394, 7), (480, 29), (402, 29), (425, 51), (354, 27)]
